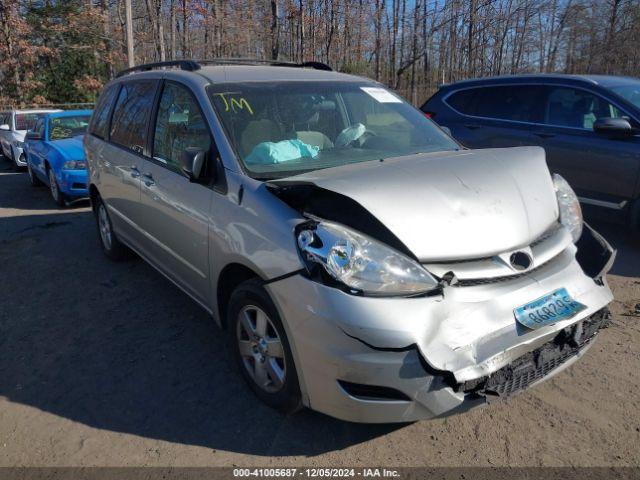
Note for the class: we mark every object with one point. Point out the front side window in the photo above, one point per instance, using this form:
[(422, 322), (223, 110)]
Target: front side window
[(630, 91), (100, 120), (61, 128), (576, 108), (27, 121), (287, 128), (39, 128), (179, 125), (131, 114)]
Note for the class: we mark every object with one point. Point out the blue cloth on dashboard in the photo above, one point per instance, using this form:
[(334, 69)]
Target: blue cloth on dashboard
[(278, 152)]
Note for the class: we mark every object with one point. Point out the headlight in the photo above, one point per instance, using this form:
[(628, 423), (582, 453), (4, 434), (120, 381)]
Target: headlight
[(362, 263), (74, 165), (569, 205)]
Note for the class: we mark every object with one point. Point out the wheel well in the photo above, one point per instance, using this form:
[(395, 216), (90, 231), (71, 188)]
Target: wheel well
[(93, 195), (635, 215), (231, 276)]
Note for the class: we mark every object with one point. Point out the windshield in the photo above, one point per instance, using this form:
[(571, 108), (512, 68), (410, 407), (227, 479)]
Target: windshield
[(67, 127), (287, 128), (629, 91), (27, 121)]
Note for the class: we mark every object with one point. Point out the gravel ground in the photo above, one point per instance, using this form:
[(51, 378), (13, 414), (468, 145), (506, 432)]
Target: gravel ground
[(111, 365)]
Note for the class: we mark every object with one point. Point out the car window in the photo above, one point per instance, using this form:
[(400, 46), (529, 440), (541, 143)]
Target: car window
[(576, 108), (521, 103), (179, 124), (26, 121), (4, 118), (39, 128), (464, 100), (61, 128), (630, 91), (131, 114), (100, 120), (281, 128)]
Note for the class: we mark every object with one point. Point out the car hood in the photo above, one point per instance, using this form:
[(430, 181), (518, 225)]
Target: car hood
[(69, 148), (451, 205)]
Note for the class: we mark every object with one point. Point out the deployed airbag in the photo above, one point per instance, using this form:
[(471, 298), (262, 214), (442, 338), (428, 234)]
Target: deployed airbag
[(266, 153)]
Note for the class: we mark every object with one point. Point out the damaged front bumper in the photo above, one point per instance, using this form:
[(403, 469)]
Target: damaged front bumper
[(371, 359)]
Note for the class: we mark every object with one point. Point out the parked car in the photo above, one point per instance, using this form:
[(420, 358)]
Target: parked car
[(587, 124), (55, 155), (362, 262), (14, 125)]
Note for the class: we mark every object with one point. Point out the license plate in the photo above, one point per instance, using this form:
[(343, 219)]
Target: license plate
[(549, 309)]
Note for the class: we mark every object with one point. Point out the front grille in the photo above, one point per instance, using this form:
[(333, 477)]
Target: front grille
[(535, 365), (473, 282), (527, 371)]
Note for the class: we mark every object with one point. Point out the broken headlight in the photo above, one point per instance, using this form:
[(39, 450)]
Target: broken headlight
[(362, 263), (569, 205)]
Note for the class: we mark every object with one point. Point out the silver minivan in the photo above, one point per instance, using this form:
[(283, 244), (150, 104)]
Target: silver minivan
[(362, 263)]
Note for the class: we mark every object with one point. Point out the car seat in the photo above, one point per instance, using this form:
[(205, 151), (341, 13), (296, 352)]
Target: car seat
[(258, 131)]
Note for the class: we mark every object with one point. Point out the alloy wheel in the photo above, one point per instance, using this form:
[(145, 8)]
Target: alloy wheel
[(53, 185), (261, 349), (104, 226)]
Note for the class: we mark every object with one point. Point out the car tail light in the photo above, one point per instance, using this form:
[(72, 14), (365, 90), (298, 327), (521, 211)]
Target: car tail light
[(429, 114)]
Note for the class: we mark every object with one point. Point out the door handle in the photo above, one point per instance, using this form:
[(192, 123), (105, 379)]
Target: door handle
[(135, 173), (544, 134), (471, 126), (147, 178)]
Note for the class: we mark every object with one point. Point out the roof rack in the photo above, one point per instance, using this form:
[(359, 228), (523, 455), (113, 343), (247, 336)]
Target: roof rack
[(193, 65), (188, 65)]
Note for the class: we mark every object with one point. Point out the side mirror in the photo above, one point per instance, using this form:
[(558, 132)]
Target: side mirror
[(193, 164), (5, 127), (616, 127), (31, 135)]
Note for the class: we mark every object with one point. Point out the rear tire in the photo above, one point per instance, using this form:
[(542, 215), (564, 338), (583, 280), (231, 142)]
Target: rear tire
[(113, 248), (260, 347)]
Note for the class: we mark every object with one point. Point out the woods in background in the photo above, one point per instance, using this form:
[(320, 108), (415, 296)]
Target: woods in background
[(54, 51)]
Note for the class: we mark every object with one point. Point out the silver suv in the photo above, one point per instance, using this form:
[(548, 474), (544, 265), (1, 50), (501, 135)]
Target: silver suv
[(363, 263)]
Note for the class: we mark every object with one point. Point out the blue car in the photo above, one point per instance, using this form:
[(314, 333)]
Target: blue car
[(55, 156)]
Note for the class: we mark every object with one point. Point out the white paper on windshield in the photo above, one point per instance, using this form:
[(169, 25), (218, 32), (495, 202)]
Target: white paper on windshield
[(381, 95)]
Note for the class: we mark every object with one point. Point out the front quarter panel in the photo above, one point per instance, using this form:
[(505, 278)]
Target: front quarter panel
[(251, 227)]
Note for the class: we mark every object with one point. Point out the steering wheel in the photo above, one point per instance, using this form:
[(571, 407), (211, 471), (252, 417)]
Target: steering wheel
[(352, 134)]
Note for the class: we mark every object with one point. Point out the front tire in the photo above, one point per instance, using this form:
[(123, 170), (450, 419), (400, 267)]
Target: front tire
[(260, 347), (14, 162), (635, 216), (112, 247), (57, 195), (33, 179)]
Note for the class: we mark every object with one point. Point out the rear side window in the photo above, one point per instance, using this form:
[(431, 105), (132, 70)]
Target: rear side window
[(131, 114), (463, 101), (522, 103), (100, 120)]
